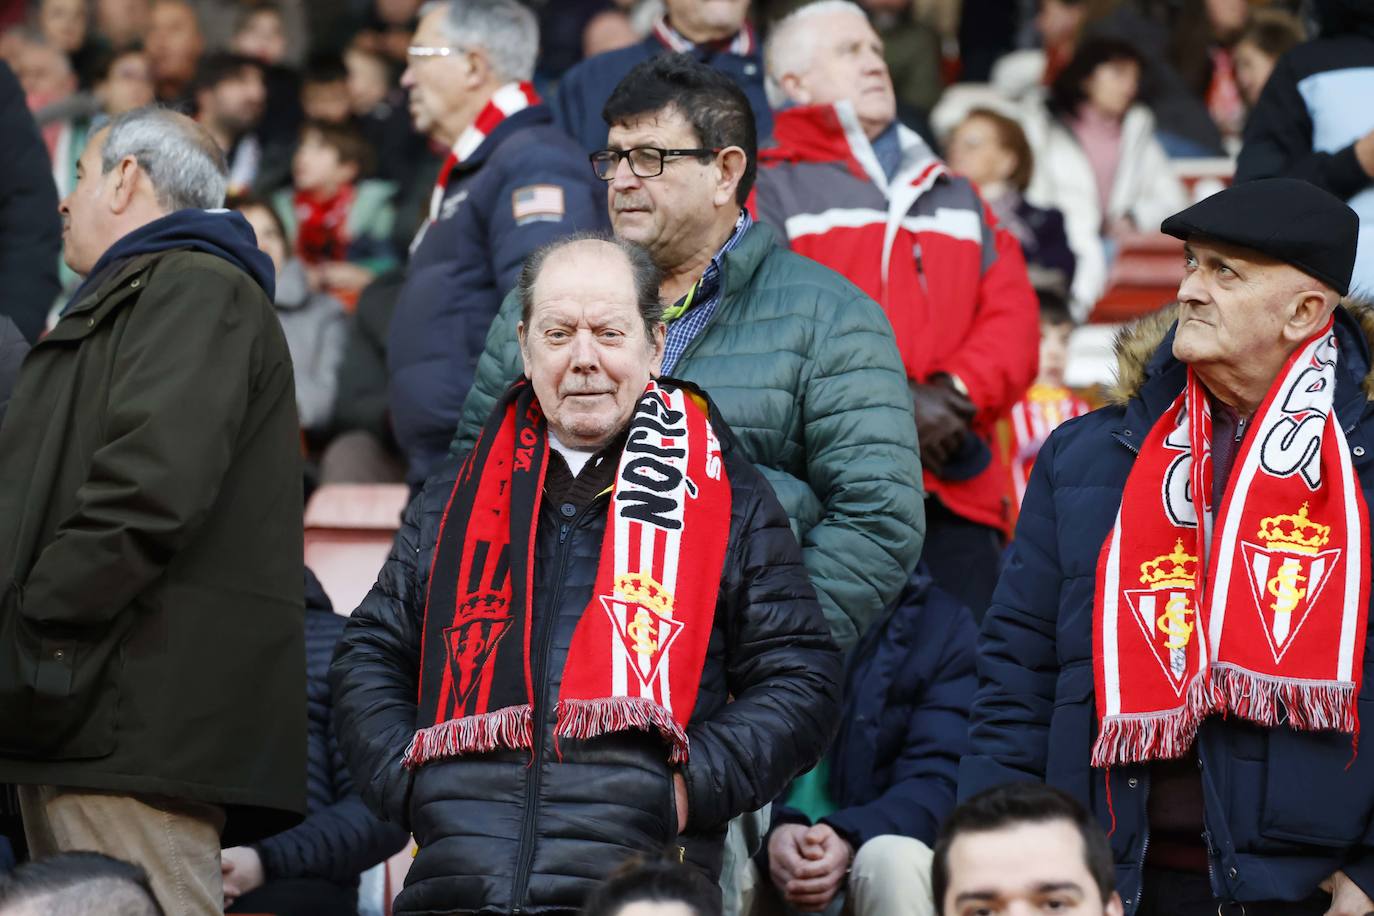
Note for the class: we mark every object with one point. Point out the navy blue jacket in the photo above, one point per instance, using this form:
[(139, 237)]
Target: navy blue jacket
[(467, 261), (584, 89), (894, 764), (339, 838), (1283, 809)]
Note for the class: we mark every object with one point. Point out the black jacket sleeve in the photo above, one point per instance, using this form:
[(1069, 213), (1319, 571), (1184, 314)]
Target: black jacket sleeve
[(783, 667), (375, 678), (1278, 141), (30, 227)]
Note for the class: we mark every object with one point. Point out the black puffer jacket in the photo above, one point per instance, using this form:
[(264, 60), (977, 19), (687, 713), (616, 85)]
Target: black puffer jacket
[(339, 838), (498, 835)]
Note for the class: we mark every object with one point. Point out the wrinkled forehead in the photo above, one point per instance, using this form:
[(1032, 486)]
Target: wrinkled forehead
[(1256, 264), (588, 280)]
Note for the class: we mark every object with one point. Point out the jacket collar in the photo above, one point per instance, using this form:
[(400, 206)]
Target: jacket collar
[(533, 116), (832, 133)]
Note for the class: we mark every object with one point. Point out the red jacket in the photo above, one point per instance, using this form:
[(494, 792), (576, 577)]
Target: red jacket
[(925, 246)]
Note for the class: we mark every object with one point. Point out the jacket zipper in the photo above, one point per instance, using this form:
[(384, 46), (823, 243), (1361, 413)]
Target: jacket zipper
[(526, 855)]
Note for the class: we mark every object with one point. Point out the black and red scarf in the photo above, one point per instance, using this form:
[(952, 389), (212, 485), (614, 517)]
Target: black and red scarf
[(322, 225), (637, 653)]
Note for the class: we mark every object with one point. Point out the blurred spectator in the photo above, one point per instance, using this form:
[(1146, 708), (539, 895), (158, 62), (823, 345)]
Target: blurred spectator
[(712, 31), (1098, 162), (1314, 120), (1021, 848), (1184, 126), (379, 106), (1269, 36), (511, 183), (562, 26), (607, 31), (123, 23), (65, 24), (125, 82), (49, 84), (231, 96), (313, 868), (30, 228), (655, 889), (991, 150), (167, 383), (364, 449), (1047, 404), (325, 95), (912, 51), (952, 283), (261, 33), (389, 26), (174, 45), (77, 884), (314, 322), (338, 223), (1202, 43), (860, 827)]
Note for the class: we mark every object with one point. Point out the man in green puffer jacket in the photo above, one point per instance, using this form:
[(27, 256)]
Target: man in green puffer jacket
[(801, 364)]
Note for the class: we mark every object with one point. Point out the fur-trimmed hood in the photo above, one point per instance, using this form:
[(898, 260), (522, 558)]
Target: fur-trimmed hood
[(1137, 342)]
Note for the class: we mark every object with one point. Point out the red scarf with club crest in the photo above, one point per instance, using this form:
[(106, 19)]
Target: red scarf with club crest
[(637, 653), (1260, 614)]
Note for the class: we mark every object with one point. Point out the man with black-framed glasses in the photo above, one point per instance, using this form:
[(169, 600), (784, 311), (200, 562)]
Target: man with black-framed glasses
[(512, 182)]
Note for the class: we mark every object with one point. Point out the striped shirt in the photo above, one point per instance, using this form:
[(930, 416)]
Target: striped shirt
[(705, 295)]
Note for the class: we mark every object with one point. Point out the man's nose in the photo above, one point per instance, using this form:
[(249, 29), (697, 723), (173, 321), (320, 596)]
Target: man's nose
[(624, 177), (408, 77), (1192, 289), (585, 357)]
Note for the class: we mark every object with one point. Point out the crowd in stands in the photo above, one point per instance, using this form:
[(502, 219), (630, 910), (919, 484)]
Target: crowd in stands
[(879, 234)]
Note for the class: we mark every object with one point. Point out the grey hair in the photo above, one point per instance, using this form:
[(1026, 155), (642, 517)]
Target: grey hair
[(183, 162), (789, 47), (647, 275), (505, 29)]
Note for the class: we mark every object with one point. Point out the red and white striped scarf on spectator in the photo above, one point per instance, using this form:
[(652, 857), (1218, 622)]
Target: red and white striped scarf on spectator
[(742, 44), (505, 102), (1260, 615)]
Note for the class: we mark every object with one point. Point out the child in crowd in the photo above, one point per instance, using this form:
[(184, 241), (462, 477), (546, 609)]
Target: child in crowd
[(324, 90), (1047, 403), (338, 223), (314, 323)]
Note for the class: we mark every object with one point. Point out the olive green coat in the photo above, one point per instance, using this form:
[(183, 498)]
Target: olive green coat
[(804, 368), (151, 611)]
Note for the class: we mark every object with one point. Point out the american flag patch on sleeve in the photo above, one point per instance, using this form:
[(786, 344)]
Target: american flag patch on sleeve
[(537, 203)]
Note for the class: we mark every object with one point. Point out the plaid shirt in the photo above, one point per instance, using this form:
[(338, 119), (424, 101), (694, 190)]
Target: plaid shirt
[(707, 292)]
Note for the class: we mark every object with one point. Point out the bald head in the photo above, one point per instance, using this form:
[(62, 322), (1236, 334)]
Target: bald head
[(77, 884)]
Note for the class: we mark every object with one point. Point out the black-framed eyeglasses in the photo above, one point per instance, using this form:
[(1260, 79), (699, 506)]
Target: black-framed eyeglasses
[(645, 161)]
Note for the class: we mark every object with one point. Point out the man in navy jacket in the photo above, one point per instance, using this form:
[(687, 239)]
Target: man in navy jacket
[(712, 31), (1268, 816), (512, 182)]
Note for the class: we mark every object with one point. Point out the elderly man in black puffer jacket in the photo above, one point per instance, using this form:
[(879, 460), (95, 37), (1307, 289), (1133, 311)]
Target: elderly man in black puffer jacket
[(602, 612)]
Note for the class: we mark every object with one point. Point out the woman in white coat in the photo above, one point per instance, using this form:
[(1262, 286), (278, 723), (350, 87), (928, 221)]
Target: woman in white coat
[(1097, 160)]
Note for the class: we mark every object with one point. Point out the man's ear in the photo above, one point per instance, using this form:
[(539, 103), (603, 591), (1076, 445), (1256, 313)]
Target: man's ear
[(730, 165), (479, 68), (524, 351), (1114, 906), (795, 89), (659, 340), (126, 178), (1310, 309)]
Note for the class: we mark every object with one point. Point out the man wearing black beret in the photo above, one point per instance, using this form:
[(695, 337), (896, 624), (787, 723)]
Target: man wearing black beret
[(1178, 639)]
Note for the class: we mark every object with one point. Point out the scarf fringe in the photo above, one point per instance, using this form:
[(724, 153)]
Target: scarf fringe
[(1306, 706), (583, 719), (512, 727), (1156, 736)]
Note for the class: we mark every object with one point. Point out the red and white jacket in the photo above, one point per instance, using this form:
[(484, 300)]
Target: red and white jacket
[(927, 248)]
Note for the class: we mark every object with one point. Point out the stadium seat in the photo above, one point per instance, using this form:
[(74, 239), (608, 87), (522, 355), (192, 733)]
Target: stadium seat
[(1145, 275), (348, 533)]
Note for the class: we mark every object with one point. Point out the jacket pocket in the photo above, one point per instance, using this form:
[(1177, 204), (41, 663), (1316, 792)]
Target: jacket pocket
[(1317, 789), (60, 691)]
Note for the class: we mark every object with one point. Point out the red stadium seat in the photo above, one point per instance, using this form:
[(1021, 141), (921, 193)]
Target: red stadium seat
[(1144, 277), (348, 533)]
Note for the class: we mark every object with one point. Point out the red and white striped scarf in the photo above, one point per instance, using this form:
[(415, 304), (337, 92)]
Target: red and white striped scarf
[(1263, 615), (637, 652), (742, 44), (1031, 420), (504, 102)]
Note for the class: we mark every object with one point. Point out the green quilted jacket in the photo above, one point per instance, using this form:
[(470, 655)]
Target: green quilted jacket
[(804, 368)]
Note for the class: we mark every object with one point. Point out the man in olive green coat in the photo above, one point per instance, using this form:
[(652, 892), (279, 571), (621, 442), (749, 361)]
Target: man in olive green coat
[(152, 670)]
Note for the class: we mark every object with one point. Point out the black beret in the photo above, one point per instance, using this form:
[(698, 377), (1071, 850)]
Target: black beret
[(1293, 221)]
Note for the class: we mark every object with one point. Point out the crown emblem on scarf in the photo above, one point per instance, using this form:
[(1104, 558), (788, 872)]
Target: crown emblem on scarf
[(644, 590), (1294, 533), (1172, 570)]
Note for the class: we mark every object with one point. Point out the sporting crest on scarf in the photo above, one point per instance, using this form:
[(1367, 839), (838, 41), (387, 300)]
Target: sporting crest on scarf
[(1260, 615), (637, 652)]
